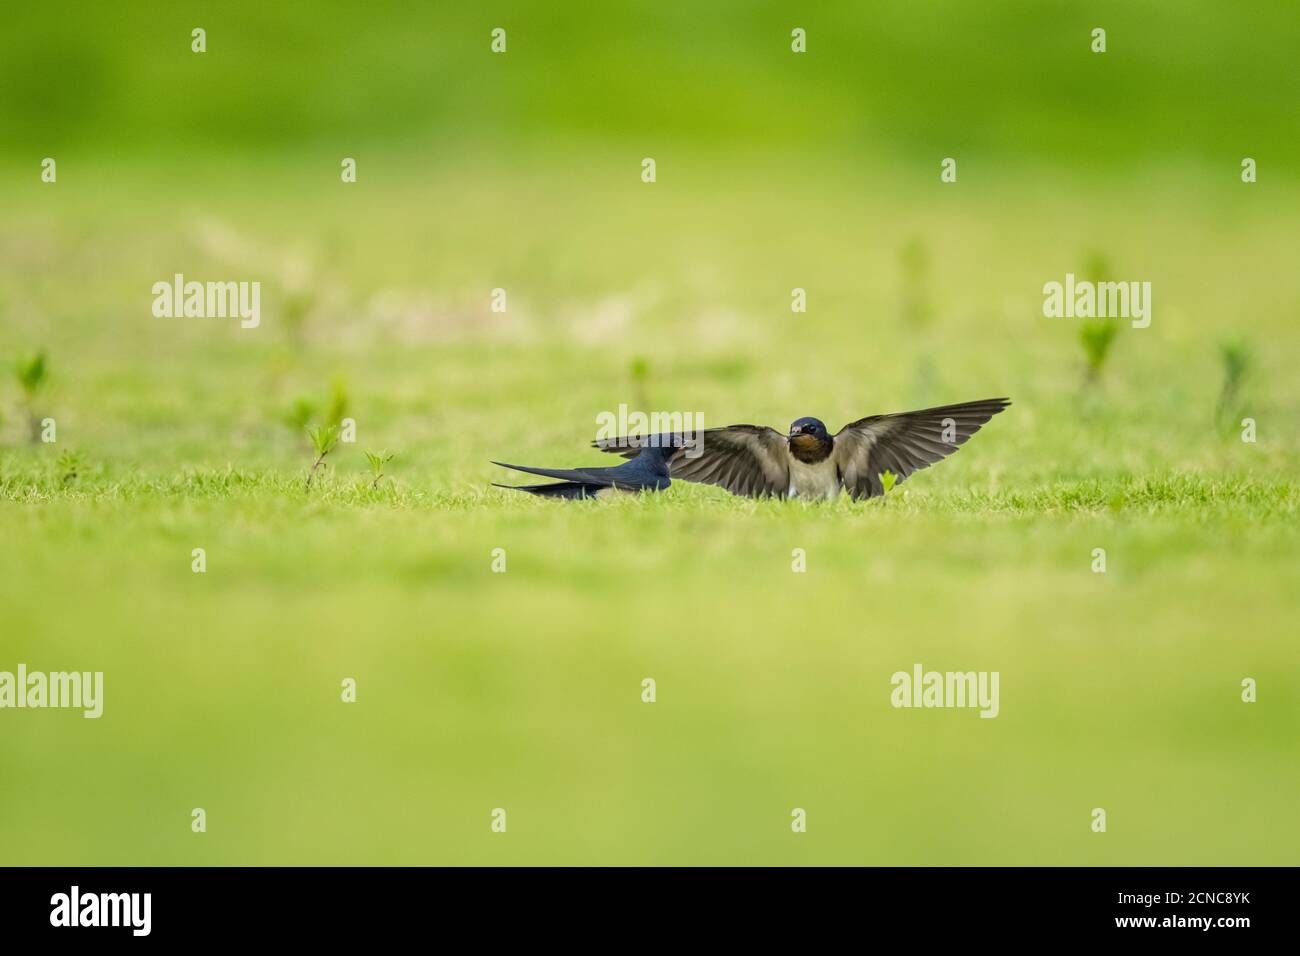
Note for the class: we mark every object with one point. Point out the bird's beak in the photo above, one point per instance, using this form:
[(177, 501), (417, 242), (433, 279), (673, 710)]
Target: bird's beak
[(795, 430)]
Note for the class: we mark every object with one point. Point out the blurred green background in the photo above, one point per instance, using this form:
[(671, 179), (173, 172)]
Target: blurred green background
[(522, 690)]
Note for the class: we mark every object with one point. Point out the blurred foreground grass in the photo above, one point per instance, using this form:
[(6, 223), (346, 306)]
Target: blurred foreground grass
[(522, 689)]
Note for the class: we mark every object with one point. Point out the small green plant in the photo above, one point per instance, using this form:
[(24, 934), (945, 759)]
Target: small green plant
[(377, 463), (337, 409), (32, 373), (1096, 336), (302, 411), (323, 439), (1237, 360), (70, 464), (299, 414), (887, 481)]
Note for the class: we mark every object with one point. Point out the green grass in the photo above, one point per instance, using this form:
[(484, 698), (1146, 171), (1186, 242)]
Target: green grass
[(521, 689)]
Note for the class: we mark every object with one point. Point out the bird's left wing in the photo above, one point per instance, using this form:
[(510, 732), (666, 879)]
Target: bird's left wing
[(750, 460), (905, 442)]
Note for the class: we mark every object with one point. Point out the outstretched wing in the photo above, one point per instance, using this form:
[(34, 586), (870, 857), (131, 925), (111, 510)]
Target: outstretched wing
[(905, 442), (750, 460)]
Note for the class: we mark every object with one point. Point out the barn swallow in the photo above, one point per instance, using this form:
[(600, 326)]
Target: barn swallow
[(809, 462), (647, 471)]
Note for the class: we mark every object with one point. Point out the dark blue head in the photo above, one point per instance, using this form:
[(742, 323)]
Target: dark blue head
[(808, 426), (809, 441)]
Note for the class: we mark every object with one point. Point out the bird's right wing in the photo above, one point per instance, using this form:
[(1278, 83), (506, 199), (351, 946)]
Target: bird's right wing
[(750, 460)]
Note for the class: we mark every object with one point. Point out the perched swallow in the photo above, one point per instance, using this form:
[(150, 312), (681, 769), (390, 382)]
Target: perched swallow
[(647, 471), (809, 462)]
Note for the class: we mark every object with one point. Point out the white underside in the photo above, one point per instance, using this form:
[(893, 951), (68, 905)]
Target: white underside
[(813, 481)]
